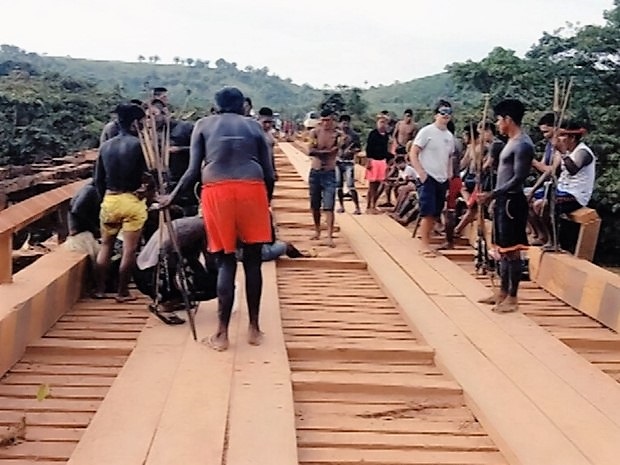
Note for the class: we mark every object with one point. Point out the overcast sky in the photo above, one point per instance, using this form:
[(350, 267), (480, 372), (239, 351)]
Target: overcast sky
[(349, 42)]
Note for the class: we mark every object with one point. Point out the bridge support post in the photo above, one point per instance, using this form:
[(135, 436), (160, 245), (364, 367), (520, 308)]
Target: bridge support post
[(6, 257)]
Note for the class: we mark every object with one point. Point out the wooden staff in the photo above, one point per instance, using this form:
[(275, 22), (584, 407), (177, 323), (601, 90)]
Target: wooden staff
[(559, 110), (482, 257)]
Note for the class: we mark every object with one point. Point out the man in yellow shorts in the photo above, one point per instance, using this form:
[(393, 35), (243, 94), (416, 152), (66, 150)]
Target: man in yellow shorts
[(118, 175)]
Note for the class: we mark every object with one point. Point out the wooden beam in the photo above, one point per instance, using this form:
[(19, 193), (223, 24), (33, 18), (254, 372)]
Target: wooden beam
[(6, 257)]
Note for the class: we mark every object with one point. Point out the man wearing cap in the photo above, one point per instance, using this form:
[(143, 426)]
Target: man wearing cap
[(118, 175), (323, 150), (430, 157), (510, 209), (229, 152)]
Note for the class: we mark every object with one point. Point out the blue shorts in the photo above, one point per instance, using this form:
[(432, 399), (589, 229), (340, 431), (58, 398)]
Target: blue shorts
[(322, 189), (345, 172), (432, 196)]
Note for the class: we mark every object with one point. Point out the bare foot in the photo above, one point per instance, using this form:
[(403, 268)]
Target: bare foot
[(125, 298), (315, 236), (218, 342), (508, 305), (492, 300), (330, 243), (255, 336), (427, 253)]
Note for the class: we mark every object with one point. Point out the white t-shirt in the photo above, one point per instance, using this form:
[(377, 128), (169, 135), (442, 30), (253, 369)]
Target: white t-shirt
[(407, 173), (437, 145)]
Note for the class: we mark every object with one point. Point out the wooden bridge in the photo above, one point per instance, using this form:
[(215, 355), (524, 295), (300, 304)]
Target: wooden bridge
[(373, 355)]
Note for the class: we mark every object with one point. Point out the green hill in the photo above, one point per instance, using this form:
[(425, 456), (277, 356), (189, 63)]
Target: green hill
[(202, 79)]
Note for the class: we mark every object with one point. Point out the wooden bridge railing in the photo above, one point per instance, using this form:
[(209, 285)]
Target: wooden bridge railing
[(22, 214)]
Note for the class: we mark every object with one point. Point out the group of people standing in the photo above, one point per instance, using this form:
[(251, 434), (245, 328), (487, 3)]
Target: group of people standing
[(496, 158), (231, 156)]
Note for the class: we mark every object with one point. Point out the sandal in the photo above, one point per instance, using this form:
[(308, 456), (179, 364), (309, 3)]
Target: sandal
[(171, 319)]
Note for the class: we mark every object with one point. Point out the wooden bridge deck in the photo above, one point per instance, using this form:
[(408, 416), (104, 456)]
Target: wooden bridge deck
[(372, 355)]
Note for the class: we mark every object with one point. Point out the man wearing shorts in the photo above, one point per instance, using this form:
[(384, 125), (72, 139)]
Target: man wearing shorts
[(323, 150), (377, 156), (345, 164), (118, 175), (510, 211), (229, 152), (430, 156)]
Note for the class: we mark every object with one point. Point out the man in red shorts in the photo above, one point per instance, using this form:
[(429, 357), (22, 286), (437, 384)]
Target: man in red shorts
[(236, 168)]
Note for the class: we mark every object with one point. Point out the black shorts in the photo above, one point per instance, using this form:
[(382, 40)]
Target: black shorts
[(510, 221)]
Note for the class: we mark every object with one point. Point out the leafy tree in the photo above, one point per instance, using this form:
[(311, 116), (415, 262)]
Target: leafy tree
[(49, 115), (590, 56)]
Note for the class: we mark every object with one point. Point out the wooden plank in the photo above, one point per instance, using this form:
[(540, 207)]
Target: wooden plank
[(587, 240), (262, 389), (65, 346), (513, 421), (342, 456), (37, 297), (361, 352), (48, 450), (381, 230), (571, 374), (135, 401), (44, 433), (592, 290), (341, 423), (6, 257), (583, 215), (372, 383), (193, 422), (402, 441), (329, 263)]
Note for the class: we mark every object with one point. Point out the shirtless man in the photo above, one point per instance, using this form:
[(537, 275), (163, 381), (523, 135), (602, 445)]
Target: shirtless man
[(324, 146), (228, 151), (118, 175), (404, 131), (180, 137), (265, 118), (510, 209), (345, 164)]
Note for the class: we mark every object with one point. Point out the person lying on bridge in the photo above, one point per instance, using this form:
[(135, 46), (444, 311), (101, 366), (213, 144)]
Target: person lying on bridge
[(201, 280)]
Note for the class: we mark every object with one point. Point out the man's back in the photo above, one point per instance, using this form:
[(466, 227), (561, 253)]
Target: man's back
[(120, 165), (234, 147)]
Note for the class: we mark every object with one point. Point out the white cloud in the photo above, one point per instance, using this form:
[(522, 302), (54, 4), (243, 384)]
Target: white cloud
[(318, 42)]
